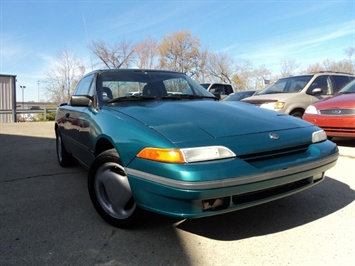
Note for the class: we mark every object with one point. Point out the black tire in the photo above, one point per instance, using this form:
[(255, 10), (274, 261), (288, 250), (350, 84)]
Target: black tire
[(65, 159), (110, 191), (297, 114)]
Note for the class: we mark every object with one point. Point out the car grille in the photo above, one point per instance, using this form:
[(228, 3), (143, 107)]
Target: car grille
[(339, 130), (267, 193), (258, 102), (262, 156), (338, 111), (260, 195)]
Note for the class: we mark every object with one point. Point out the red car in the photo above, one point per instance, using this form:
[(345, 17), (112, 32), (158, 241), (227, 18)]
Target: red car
[(335, 115)]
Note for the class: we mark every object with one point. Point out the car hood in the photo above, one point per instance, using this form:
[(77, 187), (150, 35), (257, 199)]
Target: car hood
[(198, 120), (338, 101), (266, 98)]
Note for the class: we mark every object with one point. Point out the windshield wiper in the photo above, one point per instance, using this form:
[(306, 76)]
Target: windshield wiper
[(132, 98), (188, 96), (170, 97), (271, 92)]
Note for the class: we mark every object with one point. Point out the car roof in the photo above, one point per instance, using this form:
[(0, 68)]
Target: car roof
[(131, 70), (320, 73)]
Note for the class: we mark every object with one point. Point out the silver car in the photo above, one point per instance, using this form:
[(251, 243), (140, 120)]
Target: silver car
[(292, 95)]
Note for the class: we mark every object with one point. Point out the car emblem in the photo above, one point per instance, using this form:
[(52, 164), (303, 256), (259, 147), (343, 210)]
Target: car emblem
[(336, 112), (273, 135)]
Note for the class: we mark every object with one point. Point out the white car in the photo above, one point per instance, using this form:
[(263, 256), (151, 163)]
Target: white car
[(220, 90)]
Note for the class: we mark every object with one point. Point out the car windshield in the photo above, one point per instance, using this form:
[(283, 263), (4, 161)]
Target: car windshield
[(350, 88), (287, 85), (143, 85)]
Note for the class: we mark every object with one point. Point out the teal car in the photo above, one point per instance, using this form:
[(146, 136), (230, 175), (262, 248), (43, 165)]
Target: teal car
[(158, 141)]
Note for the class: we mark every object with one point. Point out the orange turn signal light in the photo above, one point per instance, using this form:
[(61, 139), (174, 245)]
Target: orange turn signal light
[(162, 155)]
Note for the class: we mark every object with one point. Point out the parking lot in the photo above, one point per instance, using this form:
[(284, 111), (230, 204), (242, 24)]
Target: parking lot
[(46, 218)]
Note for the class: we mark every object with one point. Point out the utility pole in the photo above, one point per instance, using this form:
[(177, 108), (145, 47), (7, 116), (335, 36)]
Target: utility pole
[(38, 89), (23, 96)]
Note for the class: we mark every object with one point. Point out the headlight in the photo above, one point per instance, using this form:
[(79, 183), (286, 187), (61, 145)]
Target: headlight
[(186, 155), (319, 136), (207, 153), (273, 105), (279, 105), (311, 110)]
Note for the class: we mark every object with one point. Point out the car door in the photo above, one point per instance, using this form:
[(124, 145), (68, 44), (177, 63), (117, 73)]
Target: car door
[(80, 122)]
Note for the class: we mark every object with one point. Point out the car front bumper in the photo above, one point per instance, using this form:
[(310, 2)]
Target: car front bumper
[(188, 199), (334, 126)]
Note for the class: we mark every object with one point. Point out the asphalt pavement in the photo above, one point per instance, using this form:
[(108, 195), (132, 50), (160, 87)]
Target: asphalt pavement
[(46, 218)]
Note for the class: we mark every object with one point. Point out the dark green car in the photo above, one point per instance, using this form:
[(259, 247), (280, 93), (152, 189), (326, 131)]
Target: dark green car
[(158, 141)]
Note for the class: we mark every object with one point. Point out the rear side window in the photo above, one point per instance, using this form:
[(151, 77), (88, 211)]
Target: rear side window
[(221, 89), (228, 89), (340, 82)]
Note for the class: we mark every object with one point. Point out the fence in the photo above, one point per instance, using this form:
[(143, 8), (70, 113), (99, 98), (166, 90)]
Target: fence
[(22, 115)]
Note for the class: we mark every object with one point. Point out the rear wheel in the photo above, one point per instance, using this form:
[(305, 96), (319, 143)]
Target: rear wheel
[(110, 191), (65, 159)]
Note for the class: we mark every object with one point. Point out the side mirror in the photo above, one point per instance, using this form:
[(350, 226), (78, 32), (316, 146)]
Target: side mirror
[(80, 100), (316, 91)]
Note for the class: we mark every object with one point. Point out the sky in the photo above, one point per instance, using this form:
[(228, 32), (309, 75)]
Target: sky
[(263, 32)]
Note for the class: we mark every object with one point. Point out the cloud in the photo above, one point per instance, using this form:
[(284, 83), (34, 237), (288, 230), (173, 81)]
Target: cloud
[(303, 42), (11, 49)]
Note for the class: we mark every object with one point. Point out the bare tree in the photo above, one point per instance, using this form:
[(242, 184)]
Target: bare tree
[(246, 77), (64, 75), (147, 53), (220, 66), (314, 68), (242, 72), (201, 74), (259, 77), (180, 52), (116, 55), (288, 67), (345, 66), (350, 53)]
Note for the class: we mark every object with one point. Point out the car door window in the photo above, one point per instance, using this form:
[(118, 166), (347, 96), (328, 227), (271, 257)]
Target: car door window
[(217, 89), (324, 83), (85, 86)]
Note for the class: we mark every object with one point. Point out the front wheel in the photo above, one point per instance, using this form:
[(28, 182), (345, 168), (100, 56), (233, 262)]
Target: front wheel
[(297, 114), (110, 191)]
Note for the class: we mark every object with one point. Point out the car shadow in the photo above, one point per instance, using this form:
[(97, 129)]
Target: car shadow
[(273, 217), (302, 208), (346, 142), (52, 205)]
